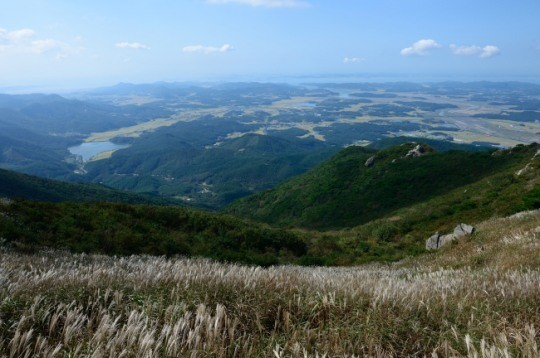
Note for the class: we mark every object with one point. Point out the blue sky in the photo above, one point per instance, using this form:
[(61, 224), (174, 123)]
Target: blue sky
[(90, 43)]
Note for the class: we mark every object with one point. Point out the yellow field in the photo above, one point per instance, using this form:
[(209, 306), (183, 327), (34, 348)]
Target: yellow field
[(133, 131), (138, 129), (476, 129), (102, 155)]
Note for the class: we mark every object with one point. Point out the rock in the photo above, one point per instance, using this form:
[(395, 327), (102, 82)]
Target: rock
[(445, 239), (463, 230), (529, 167), (370, 162), (433, 242), (436, 241), (416, 152)]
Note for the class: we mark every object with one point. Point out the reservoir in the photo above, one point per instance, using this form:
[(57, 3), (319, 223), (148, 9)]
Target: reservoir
[(306, 105), (91, 149)]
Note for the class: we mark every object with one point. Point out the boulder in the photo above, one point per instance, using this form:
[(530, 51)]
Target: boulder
[(463, 230), (433, 242), (436, 241), (370, 162), (445, 239)]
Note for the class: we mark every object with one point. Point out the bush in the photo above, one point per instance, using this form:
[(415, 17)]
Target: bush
[(120, 229), (531, 200)]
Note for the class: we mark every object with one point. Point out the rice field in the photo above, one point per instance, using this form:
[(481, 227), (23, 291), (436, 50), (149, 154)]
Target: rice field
[(477, 298)]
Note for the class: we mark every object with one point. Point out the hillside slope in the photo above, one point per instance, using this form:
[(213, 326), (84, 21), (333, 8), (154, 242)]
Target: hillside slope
[(477, 297), (438, 145), (185, 162), (344, 192), (126, 229), (17, 185)]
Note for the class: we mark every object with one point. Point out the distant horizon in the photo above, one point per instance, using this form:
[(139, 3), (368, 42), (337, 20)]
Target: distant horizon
[(300, 79), (62, 45)]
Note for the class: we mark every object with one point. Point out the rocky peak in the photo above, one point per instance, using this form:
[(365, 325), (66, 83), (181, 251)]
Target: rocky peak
[(417, 151)]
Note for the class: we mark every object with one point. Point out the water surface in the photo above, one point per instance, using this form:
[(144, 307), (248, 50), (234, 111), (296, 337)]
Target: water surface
[(91, 149)]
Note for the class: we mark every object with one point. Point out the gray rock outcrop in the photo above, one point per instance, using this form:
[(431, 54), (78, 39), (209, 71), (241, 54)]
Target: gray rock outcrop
[(370, 162), (463, 229), (416, 152), (436, 241), (433, 242), (529, 168)]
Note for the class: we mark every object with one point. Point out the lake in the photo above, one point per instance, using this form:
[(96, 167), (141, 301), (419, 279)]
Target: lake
[(306, 104), (91, 149)]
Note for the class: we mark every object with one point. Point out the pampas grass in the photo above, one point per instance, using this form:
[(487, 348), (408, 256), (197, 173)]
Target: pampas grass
[(56, 304)]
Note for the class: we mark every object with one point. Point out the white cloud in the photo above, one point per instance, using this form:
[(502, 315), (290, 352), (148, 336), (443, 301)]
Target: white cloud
[(473, 50), (46, 45), (353, 59), (420, 48), (132, 45), (16, 35), (466, 50), (207, 49), (489, 51), (264, 3), (25, 41)]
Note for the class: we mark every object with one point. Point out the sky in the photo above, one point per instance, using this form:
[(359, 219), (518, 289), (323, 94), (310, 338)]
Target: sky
[(77, 44)]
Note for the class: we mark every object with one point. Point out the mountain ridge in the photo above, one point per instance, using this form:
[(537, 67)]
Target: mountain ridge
[(343, 192), (390, 234)]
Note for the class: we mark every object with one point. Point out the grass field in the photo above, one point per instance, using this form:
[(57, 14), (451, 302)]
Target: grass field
[(478, 297)]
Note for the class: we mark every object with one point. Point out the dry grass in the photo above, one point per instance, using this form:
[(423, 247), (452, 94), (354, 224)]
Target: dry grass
[(445, 304)]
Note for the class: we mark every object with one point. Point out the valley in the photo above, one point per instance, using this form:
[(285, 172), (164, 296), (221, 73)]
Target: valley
[(196, 143), (89, 270), (342, 212), (269, 178)]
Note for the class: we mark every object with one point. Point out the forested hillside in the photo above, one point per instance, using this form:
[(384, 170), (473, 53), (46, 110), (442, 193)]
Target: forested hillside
[(347, 190)]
